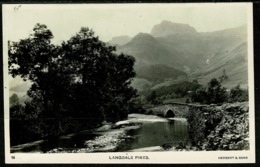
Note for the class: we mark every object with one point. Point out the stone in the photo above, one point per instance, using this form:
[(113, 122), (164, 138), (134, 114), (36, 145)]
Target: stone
[(232, 146), (167, 146)]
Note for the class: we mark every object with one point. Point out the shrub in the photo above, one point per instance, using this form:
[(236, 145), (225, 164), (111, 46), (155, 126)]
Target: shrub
[(238, 94)]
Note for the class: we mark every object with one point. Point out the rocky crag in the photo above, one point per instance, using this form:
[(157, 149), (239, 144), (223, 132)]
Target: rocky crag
[(223, 127)]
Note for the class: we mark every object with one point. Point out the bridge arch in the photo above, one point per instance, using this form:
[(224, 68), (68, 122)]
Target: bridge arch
[(169, 114), (178, 109)]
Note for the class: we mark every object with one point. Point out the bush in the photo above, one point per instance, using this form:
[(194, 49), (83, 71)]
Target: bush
[(238, 94), (199, 95)]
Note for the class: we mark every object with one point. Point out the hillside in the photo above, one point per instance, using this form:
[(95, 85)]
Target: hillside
[(200, 55), (147, 51), (234, 62), (160, 73)]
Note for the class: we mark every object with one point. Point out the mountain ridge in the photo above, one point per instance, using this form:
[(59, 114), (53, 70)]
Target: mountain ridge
[(190, 50)]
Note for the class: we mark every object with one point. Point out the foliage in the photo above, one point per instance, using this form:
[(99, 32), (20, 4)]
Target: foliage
[(217, 94), (16, 109), (196, 126), (135, 106), (101, 78), (214, 94), (81, 80), (179, 90), (199, 95), (152, 98), (19, 123), (158, 73), (238, 94)]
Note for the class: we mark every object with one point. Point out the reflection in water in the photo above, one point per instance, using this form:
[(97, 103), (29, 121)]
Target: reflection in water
[(156, 134)]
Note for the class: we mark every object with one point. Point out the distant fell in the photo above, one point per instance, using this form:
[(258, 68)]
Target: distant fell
[(166, 28)]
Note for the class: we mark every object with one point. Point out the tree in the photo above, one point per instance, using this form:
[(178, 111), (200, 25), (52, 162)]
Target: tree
[(83, 79), (29, 57), (32, 59), (35, 59), (216, 93), (135, 106), (152, 98), (101, 78), (200, 95)]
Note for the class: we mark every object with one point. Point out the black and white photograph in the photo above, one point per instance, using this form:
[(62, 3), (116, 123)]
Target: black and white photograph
[(128, 83)]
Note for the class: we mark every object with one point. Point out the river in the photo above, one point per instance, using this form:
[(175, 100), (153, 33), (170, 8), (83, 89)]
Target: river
[(157, 133), (138, 133)]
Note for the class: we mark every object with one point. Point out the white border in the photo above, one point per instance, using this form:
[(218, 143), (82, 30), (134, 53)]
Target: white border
[(154, 157)]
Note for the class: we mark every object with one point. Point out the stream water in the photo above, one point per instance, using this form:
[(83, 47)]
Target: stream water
[(156, 134), (150, 133)]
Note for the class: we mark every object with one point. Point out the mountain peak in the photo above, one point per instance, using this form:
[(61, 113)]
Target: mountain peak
[(166, 28), (143, 36)]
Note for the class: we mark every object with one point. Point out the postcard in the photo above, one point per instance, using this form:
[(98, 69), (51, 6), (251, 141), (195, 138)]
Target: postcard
[(166, 83)]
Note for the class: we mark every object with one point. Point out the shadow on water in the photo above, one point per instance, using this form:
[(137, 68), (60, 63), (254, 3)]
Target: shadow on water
[(68, 142), (156, 134)]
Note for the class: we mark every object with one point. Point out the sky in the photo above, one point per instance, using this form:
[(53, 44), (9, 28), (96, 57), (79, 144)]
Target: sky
[(109, 21)]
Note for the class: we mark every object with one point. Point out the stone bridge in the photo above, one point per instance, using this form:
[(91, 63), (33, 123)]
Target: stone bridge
[(172, 109)]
